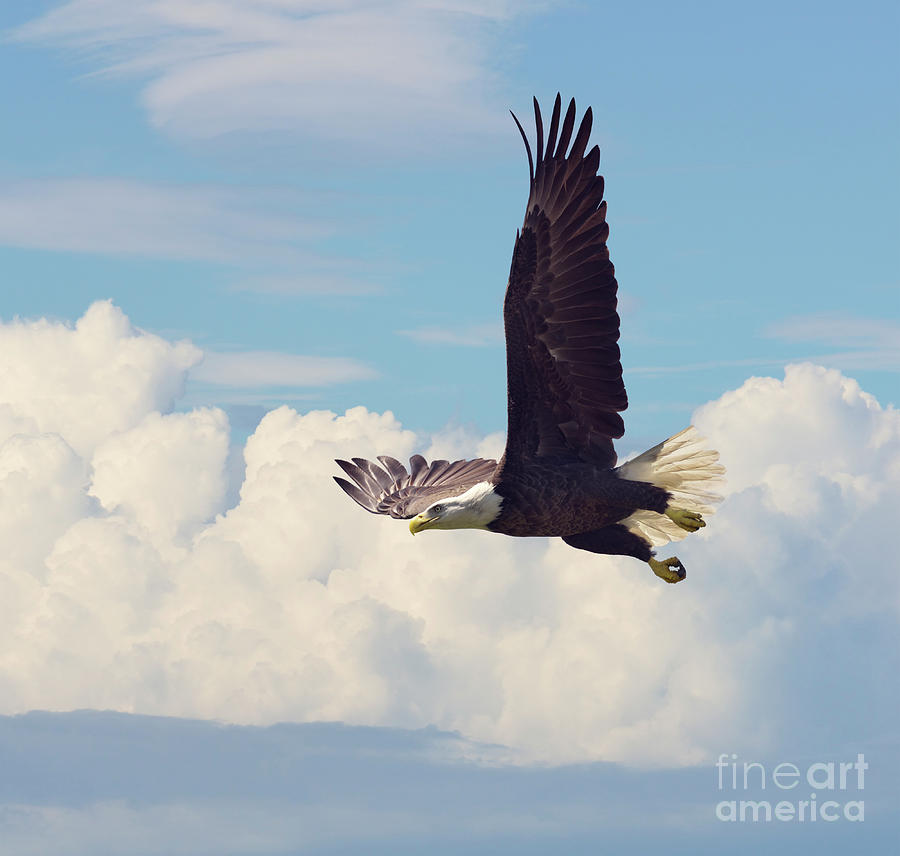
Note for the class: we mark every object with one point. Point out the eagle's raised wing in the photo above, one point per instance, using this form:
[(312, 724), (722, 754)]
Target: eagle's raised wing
[(565, 388), (390, 489)]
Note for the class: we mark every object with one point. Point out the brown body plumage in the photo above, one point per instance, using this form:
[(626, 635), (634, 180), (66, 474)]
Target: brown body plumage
[(558, 500)]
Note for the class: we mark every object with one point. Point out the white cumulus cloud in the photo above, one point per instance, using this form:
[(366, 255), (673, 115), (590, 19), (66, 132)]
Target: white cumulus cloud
[(135, 471), (127, 584), (88, 381)]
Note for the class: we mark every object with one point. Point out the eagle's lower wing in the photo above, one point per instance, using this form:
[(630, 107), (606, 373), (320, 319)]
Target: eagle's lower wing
[(391, 489), (565, 388)]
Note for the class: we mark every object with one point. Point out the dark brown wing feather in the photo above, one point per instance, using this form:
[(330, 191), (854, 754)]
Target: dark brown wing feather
[(564, 377), (390, 489)]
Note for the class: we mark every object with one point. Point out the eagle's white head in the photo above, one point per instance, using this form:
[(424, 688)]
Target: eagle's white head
[(474, 509)]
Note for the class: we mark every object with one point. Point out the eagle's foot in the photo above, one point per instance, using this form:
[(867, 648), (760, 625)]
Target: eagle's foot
[(690, 520), (671, 570)]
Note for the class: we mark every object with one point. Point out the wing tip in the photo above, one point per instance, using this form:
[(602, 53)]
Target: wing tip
[(360, 497), (527, 146)]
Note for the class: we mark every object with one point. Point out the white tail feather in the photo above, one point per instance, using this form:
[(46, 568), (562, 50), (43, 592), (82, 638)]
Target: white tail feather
[(687, 470)]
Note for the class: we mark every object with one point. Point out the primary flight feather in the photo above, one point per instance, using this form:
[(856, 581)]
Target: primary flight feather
[(558, 475)]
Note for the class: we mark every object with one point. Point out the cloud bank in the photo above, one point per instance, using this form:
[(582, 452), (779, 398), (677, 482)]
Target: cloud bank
[(72, 789), (126, 583), (337, 70)]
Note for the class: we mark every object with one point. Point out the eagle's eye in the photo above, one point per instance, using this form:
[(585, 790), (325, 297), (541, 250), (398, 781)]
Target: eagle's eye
[(437, 509)]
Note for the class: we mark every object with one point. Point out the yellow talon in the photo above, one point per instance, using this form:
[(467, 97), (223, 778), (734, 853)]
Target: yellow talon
[(671, 570), (689, 520)]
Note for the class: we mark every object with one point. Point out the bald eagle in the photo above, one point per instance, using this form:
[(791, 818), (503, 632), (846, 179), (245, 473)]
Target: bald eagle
[(558, 475)]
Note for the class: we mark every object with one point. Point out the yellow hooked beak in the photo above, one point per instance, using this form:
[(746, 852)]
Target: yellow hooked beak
[(420, 522)]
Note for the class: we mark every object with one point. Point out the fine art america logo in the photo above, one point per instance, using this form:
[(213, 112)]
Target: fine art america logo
[(815, 793)]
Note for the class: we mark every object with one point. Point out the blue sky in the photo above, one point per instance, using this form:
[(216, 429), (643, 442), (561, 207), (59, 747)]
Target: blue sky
[(751, 175), (322, 199)]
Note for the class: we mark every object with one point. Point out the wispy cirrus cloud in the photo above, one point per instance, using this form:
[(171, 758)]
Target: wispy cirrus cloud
[(272, 238), (679, 368), (865, 343), (859, 343), (338, 70), (319, 276), (181, 221), (471, 336), (250, 369)]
